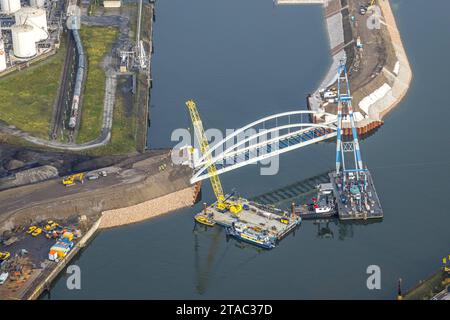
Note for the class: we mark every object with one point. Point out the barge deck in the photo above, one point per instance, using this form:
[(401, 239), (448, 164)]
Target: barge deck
[(356, 199), (275, 222)]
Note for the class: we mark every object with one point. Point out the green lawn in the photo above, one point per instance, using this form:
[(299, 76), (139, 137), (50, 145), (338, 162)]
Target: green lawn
[(97, 42), (27, 96)]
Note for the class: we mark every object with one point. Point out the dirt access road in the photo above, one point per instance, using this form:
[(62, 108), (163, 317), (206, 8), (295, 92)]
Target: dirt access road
[(128, 183)]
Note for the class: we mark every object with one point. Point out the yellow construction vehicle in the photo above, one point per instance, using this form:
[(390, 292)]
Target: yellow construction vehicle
[(4, 255), (50, 225), (36, 232), (222, 203), (31, 229), (446, 266), (70, 180)]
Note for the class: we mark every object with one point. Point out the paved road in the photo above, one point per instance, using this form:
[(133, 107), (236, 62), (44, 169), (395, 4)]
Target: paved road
[(143, 169)]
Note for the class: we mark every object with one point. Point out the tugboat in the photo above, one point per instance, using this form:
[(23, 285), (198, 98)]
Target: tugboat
[(322, 207), (205, 219), (252, 235)]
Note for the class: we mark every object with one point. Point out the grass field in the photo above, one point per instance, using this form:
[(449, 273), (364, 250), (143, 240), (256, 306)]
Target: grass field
[(123, 135), (97, 42), (27, 96), (35, 97)]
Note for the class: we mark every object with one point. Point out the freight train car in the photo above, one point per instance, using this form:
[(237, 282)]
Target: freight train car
[(79, 78)]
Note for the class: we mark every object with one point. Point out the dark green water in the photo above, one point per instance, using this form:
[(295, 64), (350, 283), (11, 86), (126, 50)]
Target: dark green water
[(242, 60)]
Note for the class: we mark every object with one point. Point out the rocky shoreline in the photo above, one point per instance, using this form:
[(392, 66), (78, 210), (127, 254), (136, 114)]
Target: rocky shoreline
[(148, 209)]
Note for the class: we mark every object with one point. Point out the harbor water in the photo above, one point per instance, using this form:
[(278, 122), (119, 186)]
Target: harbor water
[(240, 61)]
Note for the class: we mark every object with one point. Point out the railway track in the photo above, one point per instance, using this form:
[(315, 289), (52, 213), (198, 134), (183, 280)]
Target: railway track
[(65, 89)]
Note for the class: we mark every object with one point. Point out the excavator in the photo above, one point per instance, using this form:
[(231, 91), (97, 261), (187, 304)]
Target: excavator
[(222, 204), (70, 180)]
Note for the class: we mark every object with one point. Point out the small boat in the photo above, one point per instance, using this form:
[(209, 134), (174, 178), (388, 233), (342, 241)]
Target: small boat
[(247, 234), (203, 219)]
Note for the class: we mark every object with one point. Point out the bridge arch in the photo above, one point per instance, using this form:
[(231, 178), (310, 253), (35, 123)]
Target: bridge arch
[(283, 138)]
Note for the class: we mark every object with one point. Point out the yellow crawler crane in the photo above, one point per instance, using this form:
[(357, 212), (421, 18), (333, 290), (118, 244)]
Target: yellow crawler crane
[(222, 204)]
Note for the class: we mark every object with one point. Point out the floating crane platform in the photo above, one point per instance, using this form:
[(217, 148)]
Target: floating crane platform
[(354, 195), (267, 220), (353, 186), (260, 225), (356, 199)]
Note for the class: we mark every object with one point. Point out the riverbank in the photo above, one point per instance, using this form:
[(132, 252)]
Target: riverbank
[(379, 70), (402, 71), (134, 190), (432, 287), (114, 218)]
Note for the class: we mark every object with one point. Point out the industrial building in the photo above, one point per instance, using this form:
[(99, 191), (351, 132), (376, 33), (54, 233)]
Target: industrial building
[(36, 18), (28, 30), (10, 6), (112, 3)]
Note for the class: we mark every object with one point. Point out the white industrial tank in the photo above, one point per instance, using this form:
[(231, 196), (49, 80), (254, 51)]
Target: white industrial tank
[(2, 56), (36, 18), (9, 6), (37, 3), (23, 41)]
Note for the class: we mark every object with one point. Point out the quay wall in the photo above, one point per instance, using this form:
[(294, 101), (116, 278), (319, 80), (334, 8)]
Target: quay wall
[(42, 285), (144, 80)]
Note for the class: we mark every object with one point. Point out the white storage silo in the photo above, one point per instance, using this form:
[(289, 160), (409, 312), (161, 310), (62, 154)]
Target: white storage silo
[(36, 18), (2, 56), (23, 41), (37, 3), (9, 6)]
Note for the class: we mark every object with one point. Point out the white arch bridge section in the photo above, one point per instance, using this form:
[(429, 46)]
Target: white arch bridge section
[(263, 139)]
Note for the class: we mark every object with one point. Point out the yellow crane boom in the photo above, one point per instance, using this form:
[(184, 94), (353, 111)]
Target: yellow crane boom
[(204, 147), (212, 170)]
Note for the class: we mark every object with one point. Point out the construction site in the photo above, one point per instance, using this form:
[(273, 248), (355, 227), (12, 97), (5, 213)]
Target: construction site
[(57, 196), (34, 218), (354, 194), (48, 216)]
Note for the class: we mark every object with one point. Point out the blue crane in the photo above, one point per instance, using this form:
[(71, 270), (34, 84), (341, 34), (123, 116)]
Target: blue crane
[(345, 100)]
